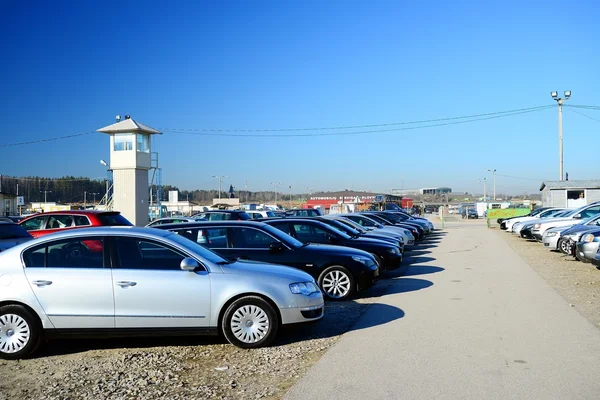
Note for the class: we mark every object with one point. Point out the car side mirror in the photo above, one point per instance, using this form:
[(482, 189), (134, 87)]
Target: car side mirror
[(577, 216), (275, 247), (189, 264), (331, 239)]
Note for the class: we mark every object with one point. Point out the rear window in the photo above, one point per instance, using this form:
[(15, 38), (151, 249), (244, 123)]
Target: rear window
[(113, 220), (10, 231)]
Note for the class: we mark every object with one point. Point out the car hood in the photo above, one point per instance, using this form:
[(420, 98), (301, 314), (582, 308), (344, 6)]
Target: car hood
[(371, 242), (516, 220), (579, 228), (254, 268), (8, 243), (561, 221)]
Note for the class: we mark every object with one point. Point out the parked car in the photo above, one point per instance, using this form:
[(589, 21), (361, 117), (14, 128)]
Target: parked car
[(571, 235), (354, 233), (305, 230), (389, 220), (340, 271), (304, 212), (408, 217), (55, 221), (586, 248), (223, 215), (552, 236), (370, 223), (257, 214), (572, 217), (144, 281), (401, 237), (12, 234), (12, 218), (173, 220), (472, 214), (402, 217), (502, 221), (549, 213), (517, 226)]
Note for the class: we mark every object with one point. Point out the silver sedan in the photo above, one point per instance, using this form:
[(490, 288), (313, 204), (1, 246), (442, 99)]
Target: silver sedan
[(120, 281), (587, 247)]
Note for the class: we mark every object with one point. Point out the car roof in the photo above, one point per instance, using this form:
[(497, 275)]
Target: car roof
[(74, 212), (221, 211), (197, 224), (104, 231)]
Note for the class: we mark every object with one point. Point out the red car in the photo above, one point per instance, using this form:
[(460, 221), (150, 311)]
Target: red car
[(55, 221)]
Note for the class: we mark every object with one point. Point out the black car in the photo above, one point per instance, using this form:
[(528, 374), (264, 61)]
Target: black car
[(354, 233), (372, 233), (371, 223), (223, 215), (308, 230), (340, 271), (526, 231), (387, 219), (405, 217)]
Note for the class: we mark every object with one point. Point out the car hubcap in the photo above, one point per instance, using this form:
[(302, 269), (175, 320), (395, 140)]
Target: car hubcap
[(14, 333), (564, 246), (250, 324), (336, 284)]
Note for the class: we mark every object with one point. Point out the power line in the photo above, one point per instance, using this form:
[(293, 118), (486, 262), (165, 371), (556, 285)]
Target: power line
[(520, 177), (52, 179), (582, 106), (45, 140), (587, 116), (358, 126), (202, 133)]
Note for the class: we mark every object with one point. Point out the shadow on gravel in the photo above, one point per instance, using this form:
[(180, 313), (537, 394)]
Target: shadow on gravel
[(412, 253), (422, 270), (395, 285)]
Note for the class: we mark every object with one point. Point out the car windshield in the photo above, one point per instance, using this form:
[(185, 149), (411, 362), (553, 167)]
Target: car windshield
[(565, 213), (285, 238), (270, 214), (197, 249), (342, 227), (337, 231), (576, 211), (10, 231), (113, 219), (352, 224)]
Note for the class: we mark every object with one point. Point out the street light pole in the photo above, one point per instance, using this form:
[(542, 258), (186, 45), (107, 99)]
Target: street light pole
[(290, 197), (494, 172), (560, 102), (45, 194), (275, 185), (220, 178), (484, 188)]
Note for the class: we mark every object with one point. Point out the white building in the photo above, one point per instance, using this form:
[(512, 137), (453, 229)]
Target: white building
[(570, 194)]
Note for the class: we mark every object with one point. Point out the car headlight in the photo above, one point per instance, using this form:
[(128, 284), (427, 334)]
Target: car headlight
[(393, 250), (537, 226), (588, 237), (363, 260), (305, 288), (550, 234)]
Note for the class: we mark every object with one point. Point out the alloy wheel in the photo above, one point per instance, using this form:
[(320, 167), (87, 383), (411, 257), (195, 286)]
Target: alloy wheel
[(250, 324), (336, 284), (14, 333)]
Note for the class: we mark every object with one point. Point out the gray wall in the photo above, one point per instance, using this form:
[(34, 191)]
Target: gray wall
[(593, 195)]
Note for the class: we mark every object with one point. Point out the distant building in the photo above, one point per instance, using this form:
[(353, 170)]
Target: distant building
[(327, 199), (570, 194), (434, 190), (8, 204)]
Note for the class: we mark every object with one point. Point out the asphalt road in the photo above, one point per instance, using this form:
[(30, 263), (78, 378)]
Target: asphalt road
[(471, 321)]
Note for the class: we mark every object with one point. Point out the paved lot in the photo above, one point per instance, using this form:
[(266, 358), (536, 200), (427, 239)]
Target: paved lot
[(473, 321)]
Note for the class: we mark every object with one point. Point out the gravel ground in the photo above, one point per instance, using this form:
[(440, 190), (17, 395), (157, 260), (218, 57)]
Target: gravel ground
[(577, 282), (188, 367)]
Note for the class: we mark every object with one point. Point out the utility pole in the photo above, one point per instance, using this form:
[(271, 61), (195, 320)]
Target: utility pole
[(275, 185), (220, 178), (45, 194), (560, 102), (290, 197), (494, 172), (84, 199), (484, 188), (94, 197)]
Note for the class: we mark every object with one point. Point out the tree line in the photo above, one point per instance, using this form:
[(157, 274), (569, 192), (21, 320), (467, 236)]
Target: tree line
[(72, 190)]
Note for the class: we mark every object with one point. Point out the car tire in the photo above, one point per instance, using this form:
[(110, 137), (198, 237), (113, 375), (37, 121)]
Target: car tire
[(563, 246), (337, 283), (250, 322), (20, 332)]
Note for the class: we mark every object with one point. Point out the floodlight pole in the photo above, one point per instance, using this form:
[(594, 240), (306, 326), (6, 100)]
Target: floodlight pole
[(560, 102)]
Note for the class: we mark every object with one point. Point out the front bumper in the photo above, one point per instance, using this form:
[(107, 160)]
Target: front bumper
[(551, 242), (586, 251), (308, 308), (367, 278), (526, 234), (537, 235), (391, 261)]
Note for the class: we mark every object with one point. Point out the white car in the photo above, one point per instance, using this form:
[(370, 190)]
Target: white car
[(257, 214), (552, 236), (571, 218), (121, 281), (544, 214)]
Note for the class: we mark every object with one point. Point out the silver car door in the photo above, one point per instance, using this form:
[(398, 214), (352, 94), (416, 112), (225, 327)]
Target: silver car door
[(70, 281), (151, 291)]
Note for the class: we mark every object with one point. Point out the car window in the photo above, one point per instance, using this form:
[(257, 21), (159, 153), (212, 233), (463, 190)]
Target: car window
[(254, 215), (67, 253), (59, 222), (219, 216), (135, 253), (81, 220), (13, 231), (283, 226), (113, 220), (212, 238), (250, 238), (34, 224), (310, 233), (590, 212)]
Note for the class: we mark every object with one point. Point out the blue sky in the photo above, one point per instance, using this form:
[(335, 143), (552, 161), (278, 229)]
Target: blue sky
[(69, 67)]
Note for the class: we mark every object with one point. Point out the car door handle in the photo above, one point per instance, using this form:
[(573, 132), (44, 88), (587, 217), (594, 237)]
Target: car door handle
[(124, 284), (42, 283)]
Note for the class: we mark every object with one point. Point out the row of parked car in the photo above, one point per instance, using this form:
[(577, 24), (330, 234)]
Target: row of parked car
[(574, 232), (219, 272)]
